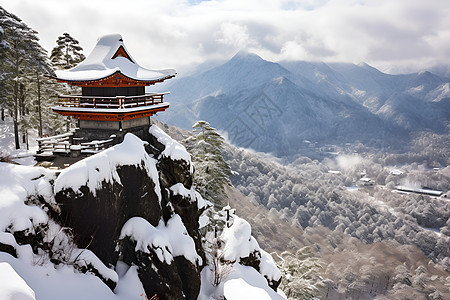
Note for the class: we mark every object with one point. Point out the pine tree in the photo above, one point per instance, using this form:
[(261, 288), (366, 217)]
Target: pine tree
[(16, 63), (301, 277), (211, 170), (44, 90), (23, 63), (3, 72), (68, 53)]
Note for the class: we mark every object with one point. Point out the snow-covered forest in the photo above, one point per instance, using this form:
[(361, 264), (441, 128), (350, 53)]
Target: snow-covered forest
[(311, 194), (26, 91), (350, 227)]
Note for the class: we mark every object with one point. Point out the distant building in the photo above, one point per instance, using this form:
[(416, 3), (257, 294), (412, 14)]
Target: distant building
[(365, 181), (396, 172), (424, 191)]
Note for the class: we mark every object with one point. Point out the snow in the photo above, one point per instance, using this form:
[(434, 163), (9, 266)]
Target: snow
[(17, 184), (19, 277), (85, 258), (100, 64), (167, 240), (7, 145), (180, 189), (246, 283), (182, 243), (267, 266), (12, 286), (92, 171), (129, 286), (54, 283), (203, 221), (147, 236), (238, 282), (396, 172), (334, 172), (238, 240), (239, 243), (173, 149), (352, 188)]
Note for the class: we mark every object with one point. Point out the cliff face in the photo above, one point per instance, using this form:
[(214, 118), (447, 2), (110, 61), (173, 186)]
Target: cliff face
[(115, 199), (130, 217)]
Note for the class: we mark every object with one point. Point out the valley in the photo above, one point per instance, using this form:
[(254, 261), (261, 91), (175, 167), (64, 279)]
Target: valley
[(366, 237)]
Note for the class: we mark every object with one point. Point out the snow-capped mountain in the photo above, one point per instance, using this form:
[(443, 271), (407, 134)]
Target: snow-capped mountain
[(275, 107)]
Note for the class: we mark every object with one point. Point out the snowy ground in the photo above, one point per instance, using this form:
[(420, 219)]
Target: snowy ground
[(7, 145), (35, 272)]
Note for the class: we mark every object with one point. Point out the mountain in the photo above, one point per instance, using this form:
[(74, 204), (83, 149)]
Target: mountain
[(275, 107)]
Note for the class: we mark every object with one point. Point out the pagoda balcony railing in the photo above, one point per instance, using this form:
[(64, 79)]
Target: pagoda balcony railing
[(117, 102)]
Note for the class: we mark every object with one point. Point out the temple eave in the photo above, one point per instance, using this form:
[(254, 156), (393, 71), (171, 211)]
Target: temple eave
[(117, 79)]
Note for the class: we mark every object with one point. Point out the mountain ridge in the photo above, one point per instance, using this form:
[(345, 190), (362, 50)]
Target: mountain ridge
[(273, 107)]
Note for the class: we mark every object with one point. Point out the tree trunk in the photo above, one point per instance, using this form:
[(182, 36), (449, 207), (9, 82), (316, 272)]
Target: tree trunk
[(38, 81), (15, 115), (67, 57), (22, 99), (15, 112), (3, 114), (26, 137)]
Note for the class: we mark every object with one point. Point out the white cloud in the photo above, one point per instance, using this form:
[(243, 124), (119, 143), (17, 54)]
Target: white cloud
[(401, 35)]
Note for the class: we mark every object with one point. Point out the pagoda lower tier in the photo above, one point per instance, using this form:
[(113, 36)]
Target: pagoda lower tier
[(113, 109)]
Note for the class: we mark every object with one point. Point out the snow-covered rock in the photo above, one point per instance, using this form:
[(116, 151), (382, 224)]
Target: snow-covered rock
[(242, 247), (102, 167), (140, 194), (121, 224), (12, 286), (246, 283)]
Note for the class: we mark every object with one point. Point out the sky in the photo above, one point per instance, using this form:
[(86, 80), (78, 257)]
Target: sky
[(395, 36)]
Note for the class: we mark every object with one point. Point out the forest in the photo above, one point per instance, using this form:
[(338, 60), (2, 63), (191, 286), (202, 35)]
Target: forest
[(350, 241), (27, 91), (324, 196)]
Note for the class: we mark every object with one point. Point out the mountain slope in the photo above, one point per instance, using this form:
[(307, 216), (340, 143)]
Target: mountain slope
[(274, 107)]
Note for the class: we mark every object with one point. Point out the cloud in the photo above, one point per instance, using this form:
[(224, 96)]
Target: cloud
[(400, 36)]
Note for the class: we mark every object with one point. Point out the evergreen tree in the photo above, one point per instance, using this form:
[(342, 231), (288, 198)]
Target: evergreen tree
[(16, 62), (3, 72), (22, 60), (68, 53), (301, 277), (211, 171)]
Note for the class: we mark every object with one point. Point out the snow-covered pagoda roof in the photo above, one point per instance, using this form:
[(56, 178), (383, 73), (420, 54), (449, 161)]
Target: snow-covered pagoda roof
[(110, 57)]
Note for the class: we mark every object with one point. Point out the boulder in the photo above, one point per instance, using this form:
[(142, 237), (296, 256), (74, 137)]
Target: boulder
[(98, 215)]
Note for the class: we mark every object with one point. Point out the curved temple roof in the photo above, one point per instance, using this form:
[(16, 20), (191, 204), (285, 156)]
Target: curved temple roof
[(108, 57)]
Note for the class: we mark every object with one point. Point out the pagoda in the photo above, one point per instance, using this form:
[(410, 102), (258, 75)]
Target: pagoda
[(113, 98)]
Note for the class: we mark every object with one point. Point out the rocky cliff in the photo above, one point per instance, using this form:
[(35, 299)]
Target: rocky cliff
[(146, 186), (130, 217)]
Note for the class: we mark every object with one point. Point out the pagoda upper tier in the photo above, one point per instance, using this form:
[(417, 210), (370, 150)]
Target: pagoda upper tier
[(110, 65), (112, 87)]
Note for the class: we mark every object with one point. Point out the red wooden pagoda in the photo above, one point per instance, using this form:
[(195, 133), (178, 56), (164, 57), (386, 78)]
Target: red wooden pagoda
[(113, 89)]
